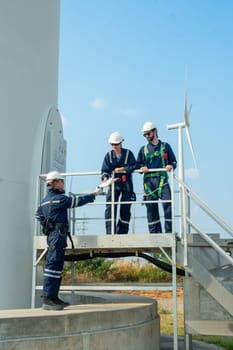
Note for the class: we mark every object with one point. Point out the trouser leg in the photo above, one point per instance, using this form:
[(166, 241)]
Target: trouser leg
[(108, 220), (124, 218), (54, 265), (53, 273), (108, 212), (153, 217), (166, 195)]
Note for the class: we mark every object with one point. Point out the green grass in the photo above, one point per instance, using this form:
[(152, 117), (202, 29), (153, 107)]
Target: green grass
[(224, 342), (166, 327)]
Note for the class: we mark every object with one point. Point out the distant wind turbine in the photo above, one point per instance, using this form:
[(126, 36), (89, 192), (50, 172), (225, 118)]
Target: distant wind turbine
[(187, 124), (183, 125)]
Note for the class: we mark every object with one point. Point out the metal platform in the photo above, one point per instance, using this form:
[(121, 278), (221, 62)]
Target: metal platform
[(142, 242)]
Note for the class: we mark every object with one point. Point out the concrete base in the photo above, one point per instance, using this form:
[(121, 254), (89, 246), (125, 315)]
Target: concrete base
[(116, 322)]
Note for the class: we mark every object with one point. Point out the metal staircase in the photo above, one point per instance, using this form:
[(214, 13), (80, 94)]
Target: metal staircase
[(208, 282)]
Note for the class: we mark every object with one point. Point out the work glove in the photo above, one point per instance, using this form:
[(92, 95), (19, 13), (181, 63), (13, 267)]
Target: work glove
[(98, 190)]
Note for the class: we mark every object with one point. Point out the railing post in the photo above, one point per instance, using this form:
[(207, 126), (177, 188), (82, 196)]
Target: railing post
[(113, 208), (174, 295), (184, 220), (172, 200)]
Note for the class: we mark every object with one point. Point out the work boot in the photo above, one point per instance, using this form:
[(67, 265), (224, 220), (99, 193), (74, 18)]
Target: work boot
[(61, 302), (49, 304)]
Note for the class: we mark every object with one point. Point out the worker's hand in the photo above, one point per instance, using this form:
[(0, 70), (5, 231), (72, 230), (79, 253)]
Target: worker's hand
[(168, 168), (119, 170), (144, 169), (98, 191)]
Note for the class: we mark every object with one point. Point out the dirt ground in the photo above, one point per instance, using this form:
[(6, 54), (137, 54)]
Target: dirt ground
[(164, 298)]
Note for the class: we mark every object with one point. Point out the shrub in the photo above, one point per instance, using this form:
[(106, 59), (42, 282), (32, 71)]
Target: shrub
[(106, 270), (94, 269)]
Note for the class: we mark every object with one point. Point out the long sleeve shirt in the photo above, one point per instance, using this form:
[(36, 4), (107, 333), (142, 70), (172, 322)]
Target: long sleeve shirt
[(56, 203)]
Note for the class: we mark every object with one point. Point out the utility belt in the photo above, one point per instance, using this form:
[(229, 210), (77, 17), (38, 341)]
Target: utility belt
[(156, 174), (124, 184), (122, 178), (50, 226)]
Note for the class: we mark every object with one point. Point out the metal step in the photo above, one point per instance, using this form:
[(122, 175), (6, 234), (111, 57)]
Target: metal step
[(208, 281), (224, 274), (207, 327)]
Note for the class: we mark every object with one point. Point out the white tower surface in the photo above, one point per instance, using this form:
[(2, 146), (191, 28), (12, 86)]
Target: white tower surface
[(29, 46)]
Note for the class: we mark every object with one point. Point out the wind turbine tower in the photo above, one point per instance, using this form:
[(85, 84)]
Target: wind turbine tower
[(31, 139)]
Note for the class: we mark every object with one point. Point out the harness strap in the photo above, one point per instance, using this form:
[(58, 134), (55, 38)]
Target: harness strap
[(71, 240), (161, 153), (156, 173), (161, 183), (163, 175), (110, 156), (126, 157), (157, 190), (149, 191)]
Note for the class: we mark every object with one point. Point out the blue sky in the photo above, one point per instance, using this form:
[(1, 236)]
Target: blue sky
[(124, 62)]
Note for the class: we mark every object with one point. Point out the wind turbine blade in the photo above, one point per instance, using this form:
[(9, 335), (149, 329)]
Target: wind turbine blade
[(191, 145), (190, 108), (186, 111)]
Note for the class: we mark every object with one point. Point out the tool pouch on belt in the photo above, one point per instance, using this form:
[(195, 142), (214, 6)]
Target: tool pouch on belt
[(63, 230), (48, 226)]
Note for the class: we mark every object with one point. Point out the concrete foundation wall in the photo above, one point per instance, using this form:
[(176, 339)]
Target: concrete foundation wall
[(117, 322)]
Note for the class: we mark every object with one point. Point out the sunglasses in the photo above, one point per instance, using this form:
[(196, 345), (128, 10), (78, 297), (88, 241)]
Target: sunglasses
[(146, 134), (115, 144)]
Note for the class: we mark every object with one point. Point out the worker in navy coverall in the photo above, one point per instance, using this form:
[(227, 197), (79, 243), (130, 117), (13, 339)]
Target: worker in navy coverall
[(120, 163), (53, 215), (156, 154)]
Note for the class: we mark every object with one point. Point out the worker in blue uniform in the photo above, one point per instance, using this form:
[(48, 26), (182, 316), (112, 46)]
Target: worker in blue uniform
[(156, 155), (119, 163), (53, 216)]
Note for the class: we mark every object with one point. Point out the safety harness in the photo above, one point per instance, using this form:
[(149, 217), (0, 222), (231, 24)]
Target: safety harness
[(49, 225), (123, 177), (126, 157), (163, 175)]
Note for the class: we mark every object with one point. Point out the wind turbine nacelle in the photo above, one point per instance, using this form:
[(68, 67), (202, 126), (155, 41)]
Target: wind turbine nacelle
[(176, 126)]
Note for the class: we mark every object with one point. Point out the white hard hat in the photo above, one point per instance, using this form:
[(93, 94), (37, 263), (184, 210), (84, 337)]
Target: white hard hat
[(53, 175), (148, 126), (116, 137)]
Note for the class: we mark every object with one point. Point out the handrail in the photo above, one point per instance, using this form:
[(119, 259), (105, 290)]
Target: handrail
[(112, 202), (211, 242), (226, 226), (188, 193)]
